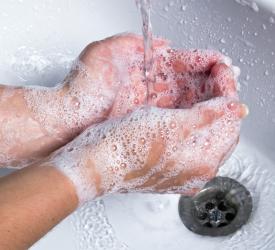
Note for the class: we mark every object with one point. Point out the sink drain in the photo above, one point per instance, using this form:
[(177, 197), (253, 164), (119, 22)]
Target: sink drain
[(220, 208)]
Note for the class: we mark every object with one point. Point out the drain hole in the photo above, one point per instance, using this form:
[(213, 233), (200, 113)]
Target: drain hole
[(212, 212), (230, 216), (208, 224), (222, 206), (202, 216), (209, 206), (219, 195), (223, 224)]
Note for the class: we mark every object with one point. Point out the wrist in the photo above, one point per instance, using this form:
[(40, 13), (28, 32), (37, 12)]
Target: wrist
[(38, 197), (67, 109), (79, 170)]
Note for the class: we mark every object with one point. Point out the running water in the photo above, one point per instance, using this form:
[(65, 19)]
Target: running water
[(145, 8)]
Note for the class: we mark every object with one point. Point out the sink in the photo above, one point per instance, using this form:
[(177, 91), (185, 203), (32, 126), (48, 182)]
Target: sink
[(40, 39)]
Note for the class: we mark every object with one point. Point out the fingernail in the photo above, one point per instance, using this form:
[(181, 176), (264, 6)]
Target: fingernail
[(226, 60), (241, 109), (245, 110), (236, 72)]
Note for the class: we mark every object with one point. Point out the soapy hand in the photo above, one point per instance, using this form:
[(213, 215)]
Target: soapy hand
[(159, 149), (35, 121), (107, 80), (153, 150)]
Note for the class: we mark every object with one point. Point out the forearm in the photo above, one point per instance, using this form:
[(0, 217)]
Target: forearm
[(22, 137), (25, 134), (36, 121), (32, 201)]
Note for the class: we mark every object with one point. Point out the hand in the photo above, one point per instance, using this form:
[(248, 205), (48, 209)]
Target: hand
[(159, 150), (89, 91), (35, 121), (153, 150), (108, 80)]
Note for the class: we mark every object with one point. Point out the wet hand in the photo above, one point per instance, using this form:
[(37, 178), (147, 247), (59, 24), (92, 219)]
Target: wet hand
[(161, 150), (153, 150), (107, 80), (157, 149)]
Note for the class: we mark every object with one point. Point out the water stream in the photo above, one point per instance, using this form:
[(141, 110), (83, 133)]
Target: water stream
[(145, 9)]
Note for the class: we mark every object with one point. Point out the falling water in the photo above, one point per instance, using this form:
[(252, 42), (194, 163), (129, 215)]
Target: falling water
[(145, 9)]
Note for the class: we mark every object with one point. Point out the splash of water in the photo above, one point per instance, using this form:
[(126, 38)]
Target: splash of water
[(145, 9)]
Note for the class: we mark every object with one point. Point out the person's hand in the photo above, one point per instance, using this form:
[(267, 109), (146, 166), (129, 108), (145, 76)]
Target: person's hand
[(108, 80), (153, 150), (159, 150), (35, 121), (88, 93)]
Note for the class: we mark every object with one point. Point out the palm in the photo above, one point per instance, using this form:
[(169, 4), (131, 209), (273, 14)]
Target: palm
[(181, 78)]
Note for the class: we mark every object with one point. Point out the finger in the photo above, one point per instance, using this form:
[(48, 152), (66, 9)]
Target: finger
[(206, 113), (186, 180), (210, 131), (133, 43), (222, 81), (193, 61)]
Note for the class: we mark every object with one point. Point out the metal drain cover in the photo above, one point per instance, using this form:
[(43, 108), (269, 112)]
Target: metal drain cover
[(220, 208)]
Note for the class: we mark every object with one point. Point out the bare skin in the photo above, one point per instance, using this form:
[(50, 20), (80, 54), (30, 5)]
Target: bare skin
[(189, 103), (33, 200)]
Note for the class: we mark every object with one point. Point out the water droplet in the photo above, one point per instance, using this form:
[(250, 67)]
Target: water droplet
[(272, 19), (173, 125), (142, 141), (174, 148), (207, 143), (183, 7), (70, 149), (75, 102), (254, 6), (136, 101), (114, 147), (123, 165), (194, 140), (191, 38), (222, 40), (101, 98)]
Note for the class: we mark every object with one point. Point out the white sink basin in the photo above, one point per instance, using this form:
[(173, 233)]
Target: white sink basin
[(39, 39)]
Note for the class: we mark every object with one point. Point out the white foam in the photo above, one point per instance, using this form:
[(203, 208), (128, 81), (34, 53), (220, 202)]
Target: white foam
[(60, 110)]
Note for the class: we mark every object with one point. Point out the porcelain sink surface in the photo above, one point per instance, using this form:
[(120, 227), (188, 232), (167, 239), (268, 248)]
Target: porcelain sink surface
[(39, 40)]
